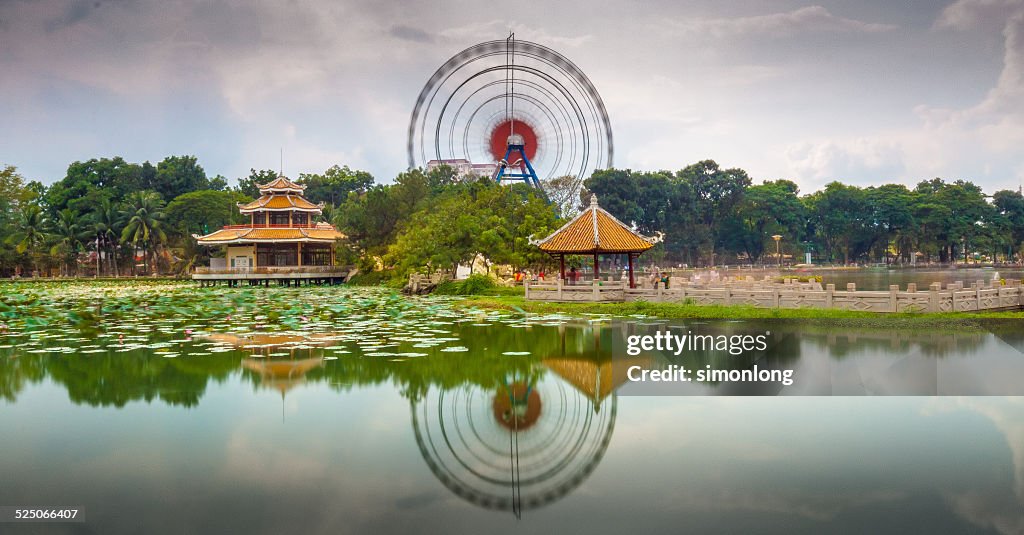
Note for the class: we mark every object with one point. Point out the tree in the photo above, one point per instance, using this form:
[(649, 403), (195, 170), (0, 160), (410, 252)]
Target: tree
[(176, 175), (68, 231), (249, 185), (88, 183), (106, 225), (564, 192), (333, 185), (14, 195), (31, 233), (838, 215), (144, 224), (204, 211), (767, 209), (1010, 206)]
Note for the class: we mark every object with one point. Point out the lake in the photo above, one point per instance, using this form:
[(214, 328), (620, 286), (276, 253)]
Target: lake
[(881, 278), (165, 408)]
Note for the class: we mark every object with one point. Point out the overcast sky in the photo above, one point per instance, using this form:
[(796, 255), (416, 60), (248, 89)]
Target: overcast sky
[(865, 92)]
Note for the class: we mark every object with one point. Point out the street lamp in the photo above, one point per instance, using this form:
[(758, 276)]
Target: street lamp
[(778, 255)]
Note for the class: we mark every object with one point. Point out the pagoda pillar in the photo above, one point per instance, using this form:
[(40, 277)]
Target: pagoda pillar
[(299, 254), (632, 283), (597, 276), (561, 265)]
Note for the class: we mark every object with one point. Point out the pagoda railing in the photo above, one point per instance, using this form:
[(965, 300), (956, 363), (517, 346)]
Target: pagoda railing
[(268, 225), (270, 270)]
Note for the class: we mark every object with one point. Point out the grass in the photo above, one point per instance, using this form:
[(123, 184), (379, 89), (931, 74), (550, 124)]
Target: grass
[(839, 318)]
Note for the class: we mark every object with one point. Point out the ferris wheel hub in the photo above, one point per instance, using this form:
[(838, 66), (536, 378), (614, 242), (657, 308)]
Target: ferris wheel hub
[(516, 140)]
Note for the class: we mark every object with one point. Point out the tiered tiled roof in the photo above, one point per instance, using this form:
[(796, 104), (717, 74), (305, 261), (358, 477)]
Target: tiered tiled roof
[(321, 233), (595, 231), (281, 184), (279, 202)]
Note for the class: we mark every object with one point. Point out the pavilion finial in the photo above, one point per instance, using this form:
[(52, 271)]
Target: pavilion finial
[(593, 199)]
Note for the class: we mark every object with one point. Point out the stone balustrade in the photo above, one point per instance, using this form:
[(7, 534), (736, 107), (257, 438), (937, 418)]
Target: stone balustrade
[(955, 297)]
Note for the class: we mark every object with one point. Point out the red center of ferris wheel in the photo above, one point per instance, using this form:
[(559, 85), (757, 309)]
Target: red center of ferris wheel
[(498, 139)]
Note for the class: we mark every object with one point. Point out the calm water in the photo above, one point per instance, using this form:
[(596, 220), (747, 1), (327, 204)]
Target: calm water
[(881, 278), (441, 421)]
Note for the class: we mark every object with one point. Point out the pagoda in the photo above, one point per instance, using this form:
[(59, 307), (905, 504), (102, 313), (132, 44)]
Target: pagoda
[(282, 240)]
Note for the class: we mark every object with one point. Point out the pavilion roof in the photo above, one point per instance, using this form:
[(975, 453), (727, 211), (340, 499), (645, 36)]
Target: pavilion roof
[(276, 201), (595, 231), (321, 233), (594, 378), (281, 183)]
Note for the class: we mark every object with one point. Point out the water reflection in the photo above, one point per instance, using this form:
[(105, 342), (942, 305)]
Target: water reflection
[(408, 443), (527, 441)]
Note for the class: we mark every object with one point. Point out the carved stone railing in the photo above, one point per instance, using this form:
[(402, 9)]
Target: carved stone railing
[(955, 297)]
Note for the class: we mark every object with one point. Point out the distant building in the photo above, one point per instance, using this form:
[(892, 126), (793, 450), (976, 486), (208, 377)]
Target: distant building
[(465, 168), (282, 240)]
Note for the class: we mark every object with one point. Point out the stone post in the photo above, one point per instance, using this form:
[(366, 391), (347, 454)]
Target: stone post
[(559, 286), (893, 303), (830, 290)]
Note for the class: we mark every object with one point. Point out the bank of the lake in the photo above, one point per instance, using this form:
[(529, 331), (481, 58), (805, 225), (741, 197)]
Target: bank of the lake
[(851, 318)]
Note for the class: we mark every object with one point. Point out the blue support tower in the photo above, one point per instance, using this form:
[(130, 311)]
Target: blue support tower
[(516, 144)]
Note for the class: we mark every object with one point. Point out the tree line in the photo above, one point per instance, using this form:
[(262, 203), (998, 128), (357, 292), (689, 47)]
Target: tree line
[(112, 217), (116, 218), (711, 215)]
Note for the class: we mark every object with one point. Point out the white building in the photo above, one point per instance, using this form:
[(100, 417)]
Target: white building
[(465, 168)]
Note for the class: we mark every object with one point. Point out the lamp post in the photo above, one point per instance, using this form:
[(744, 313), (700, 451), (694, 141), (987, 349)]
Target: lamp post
[(778, 255)]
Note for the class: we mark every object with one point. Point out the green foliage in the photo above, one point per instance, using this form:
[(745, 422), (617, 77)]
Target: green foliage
[(332, 187), (249, 186), (476, 284), (376, 278), (204, 211), (470, 219), (176, 175), (144, 227)]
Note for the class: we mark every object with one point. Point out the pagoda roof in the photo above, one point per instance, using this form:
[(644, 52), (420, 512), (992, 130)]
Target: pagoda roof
[(281, 183), (595, 231), (228, 235), (276, 201)]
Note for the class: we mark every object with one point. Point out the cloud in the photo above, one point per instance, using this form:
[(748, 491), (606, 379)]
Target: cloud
[(996, 508), (847, 160), (966, 14), (409, 33), (803, 20)]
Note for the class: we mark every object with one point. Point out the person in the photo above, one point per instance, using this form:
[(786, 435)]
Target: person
[(540, 275), (664, 279), (653, 279), (518, 276), (572, 276)]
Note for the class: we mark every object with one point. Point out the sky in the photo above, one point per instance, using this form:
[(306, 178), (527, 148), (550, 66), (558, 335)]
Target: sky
[(866, 92)]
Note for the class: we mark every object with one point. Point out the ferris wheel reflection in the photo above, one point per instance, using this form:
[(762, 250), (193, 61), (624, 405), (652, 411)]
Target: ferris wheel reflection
[(523, 443)]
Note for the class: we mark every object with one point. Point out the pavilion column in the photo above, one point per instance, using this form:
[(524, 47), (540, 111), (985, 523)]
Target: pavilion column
[(290, 223), (299, 256), (632, 283), (332, 255), (561, 265), (597, 276)]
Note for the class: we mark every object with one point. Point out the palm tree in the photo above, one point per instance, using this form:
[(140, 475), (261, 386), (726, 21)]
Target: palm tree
[(68, 232), (144, 216), (106, 225), (32, 232)]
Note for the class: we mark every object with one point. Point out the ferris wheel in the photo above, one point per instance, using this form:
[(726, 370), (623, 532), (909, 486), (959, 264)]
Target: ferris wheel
[(520, 446), (516, 108)]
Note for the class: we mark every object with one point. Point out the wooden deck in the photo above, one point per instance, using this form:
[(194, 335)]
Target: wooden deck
[(956, 297)]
